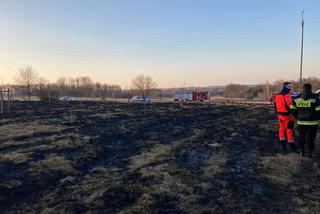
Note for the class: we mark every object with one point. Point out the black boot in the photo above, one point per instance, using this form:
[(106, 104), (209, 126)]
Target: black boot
[(284, 145), (302, 150), (293, 147), (311, 150), (310, 154)]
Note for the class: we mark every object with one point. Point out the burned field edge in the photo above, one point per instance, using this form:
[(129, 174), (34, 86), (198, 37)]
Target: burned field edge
[(108, 157)]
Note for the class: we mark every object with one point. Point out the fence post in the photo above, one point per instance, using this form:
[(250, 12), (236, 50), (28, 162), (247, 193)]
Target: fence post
[(145, 108), (8, 90), (49, 95), (1, 105)]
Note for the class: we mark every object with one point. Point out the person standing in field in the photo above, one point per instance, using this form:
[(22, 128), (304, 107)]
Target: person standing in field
[(282, 103), (306, 109)]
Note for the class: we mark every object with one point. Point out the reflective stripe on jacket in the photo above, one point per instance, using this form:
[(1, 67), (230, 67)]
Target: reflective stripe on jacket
[(308, 123)]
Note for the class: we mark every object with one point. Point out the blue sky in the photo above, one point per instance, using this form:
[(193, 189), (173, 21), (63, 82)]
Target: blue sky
[(177, 42)]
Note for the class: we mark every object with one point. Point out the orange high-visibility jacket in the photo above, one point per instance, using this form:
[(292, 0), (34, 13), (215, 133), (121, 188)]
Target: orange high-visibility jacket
[(283, 103)]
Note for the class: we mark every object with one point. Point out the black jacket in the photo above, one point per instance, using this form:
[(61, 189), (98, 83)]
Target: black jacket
[(306, 108)]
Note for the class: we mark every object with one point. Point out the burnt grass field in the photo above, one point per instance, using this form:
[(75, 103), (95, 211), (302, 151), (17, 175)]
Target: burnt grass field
[(111, 158)]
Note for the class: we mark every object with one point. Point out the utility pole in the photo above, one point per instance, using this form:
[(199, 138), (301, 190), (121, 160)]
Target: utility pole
[(301, 59)]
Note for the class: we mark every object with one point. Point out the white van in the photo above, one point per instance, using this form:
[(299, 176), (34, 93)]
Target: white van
[(66, 98)]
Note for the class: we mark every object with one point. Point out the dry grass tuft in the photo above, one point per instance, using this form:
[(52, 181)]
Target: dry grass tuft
[(52, 163), (15, 157), (280, 170), (25, 129)]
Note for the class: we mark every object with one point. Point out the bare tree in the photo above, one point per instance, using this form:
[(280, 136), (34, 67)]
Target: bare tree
[(28, 78), (43, 88), (144, 85)]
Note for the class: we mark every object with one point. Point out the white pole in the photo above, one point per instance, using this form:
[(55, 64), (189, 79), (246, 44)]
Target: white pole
[(301, 59)]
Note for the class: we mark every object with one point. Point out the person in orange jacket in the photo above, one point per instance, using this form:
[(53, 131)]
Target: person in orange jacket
[(282, 103)]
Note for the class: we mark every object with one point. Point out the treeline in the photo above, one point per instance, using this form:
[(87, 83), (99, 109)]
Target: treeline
[(77, 87), (28, 83), (265, 90), (85, 87), (242, 91)]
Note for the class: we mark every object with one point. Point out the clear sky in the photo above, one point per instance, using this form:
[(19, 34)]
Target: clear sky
[(177, 42)]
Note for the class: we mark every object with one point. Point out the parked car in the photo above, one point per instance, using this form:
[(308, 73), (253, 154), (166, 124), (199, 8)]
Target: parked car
[(141, 99), (66, 98)]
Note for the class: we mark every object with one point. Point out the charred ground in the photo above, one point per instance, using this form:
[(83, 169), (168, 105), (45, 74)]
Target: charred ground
[(111, 158)]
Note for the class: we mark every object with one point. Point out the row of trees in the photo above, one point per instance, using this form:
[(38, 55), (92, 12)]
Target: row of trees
[(243, 91), (30, 84), (85, 87), (265, 90)]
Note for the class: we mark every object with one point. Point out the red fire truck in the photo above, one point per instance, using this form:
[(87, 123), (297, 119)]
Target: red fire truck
[(192, 96)]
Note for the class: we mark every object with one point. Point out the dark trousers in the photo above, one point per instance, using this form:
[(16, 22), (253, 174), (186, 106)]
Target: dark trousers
[(307, 134)]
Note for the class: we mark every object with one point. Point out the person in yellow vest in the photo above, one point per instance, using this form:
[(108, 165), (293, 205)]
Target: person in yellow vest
[(306, 109)]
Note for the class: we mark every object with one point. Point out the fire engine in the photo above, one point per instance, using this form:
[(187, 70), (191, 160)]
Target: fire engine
[(192, 96)]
